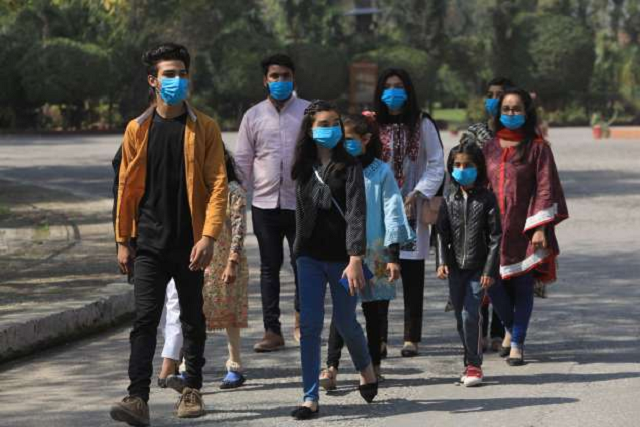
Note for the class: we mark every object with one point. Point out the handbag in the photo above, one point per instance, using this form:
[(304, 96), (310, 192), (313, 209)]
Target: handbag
[(366, 271), (430, 209)]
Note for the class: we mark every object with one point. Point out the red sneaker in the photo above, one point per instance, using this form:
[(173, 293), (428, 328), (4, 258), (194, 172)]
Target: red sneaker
[(463, 377), (473, 377)]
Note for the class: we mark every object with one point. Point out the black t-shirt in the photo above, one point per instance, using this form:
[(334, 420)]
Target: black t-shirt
[(327, 241), (164, 222)]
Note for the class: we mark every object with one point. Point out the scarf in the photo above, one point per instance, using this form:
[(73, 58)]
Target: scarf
[(511, 135)]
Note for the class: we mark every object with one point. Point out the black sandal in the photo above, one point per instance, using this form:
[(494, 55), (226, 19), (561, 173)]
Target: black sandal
[(305, 413), (409, 350), (368, 391), (516, 361), (504, 351)]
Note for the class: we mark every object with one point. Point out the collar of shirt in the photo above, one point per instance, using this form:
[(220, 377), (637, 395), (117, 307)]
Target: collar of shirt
[(280, 107)]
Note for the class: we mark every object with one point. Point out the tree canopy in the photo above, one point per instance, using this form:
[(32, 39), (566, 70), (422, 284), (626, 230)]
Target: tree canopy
[(82, 58)]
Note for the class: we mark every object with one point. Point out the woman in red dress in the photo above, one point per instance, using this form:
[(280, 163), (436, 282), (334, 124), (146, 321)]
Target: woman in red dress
[(523, 175)]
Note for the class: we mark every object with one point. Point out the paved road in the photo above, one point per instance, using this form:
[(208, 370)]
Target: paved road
[(583, 348), (78, 164)]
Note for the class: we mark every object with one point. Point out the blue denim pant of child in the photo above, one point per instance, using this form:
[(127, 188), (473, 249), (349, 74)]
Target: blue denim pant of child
[(513, 300), (313, 276), (466, 296)]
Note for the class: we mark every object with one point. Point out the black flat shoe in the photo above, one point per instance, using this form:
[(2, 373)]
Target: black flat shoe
[(504, 351), (410, 350), (516, 361), (368, 391), (305, 413)]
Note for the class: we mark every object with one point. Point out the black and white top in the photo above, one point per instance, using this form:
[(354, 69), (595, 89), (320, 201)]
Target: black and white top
[(321, 231), (481, 132)]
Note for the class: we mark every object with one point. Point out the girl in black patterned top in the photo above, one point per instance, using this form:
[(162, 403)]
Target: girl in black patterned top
[(330, 243)]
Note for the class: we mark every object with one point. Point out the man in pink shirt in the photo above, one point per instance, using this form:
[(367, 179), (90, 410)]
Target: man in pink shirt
[(264, 153)]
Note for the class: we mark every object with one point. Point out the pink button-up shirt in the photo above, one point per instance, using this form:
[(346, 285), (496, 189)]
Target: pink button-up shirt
[(264, 152)]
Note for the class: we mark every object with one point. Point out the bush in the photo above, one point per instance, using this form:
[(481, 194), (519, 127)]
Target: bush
[(563, 55), (475, 110), (63, 71), (66, 72), (322, 72), (572, 115), (630, 79)]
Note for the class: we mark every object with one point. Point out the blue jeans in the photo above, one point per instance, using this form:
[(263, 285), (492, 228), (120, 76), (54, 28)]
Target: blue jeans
[(313, 276), (466, 296), (513, 300)]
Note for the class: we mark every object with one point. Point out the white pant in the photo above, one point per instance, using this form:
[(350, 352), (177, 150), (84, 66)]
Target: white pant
[(172, 331), (170, 323)]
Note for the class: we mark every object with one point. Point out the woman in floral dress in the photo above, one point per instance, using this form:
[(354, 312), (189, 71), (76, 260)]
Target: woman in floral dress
[(227, 278)]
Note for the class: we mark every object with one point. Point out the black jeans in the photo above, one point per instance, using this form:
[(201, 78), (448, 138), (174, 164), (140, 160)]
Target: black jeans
[(152, 273), (375, 314), (412, 272), (271, 227), (497, 330)]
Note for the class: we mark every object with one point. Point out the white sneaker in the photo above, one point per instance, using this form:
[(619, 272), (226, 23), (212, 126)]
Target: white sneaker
[(463, 377)]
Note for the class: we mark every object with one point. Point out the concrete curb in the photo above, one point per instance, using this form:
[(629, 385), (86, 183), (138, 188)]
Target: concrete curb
[(110, 305)]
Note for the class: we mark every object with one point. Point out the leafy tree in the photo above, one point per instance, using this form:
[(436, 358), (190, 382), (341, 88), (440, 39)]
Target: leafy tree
[(63, 71), (418, 24), (559, 47), (321, 71), (630, 79)]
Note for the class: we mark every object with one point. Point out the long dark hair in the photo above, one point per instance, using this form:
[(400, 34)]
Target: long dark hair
[(230, 163), (469, 146), (306, 153), (530, 124), (411, 111), (363, 125)]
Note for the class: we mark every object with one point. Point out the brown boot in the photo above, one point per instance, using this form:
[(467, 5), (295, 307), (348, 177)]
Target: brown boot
[(296, 329), (131, 410), (270, 342), (190, 404)]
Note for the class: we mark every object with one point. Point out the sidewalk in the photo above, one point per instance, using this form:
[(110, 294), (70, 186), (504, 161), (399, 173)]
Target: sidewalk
[(582, 349), (58, 273), (57, 269)]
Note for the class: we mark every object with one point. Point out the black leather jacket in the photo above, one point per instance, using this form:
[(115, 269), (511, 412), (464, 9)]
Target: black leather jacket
[(469, 231)]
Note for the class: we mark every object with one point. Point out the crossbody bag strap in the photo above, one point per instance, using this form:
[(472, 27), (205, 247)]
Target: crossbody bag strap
[(335, 203)]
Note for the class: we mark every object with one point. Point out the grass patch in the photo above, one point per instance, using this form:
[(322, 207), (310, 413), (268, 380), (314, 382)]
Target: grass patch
[(4, 210)]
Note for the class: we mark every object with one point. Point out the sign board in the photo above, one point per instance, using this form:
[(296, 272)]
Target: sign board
[(363, 77)]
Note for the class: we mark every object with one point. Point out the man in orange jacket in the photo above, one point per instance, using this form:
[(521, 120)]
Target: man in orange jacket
[(172, 197)]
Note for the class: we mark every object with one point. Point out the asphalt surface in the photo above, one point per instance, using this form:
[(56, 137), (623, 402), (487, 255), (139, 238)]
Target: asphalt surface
[(583, 348)]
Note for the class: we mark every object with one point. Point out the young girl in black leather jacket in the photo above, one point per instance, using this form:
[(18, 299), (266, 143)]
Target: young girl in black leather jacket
[(468, 247)]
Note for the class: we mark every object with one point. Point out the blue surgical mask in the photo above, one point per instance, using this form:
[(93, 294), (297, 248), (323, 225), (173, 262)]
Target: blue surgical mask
[(281, 90), (395, 98), (327, 137), (491, 105), (512, 122), (353, 147), (173, 90), (466, 176)]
